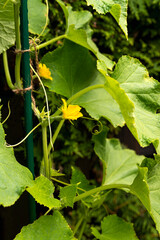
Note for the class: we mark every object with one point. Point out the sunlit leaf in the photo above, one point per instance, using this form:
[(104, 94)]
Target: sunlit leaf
[(120, 164), (42, 190), (7, 30), (118, 9), (143, 91), (14, 178), (45, 228)]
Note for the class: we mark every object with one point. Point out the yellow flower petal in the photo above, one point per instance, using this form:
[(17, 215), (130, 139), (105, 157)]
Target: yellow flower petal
[(44, 71), (72, 112)]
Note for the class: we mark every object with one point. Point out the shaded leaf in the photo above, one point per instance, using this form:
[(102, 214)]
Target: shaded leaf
[(42, 190), (37, 13), (67, 195), (115, 228), (79, 36), (7, 30), (79, 31), (14, 178), (83, 185), (45, 228)]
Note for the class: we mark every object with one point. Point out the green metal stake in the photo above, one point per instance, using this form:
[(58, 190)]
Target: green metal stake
[(27, 96)]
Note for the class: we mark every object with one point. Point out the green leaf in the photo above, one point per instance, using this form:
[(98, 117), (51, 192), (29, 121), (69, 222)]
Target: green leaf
[(55, 173), (114, 89), (79, 178), (140, 188), (14, 178), (83, 185), (148, 191), (149, 163), (7, 30), (118, 9), (80, 19), (154, 187), (42, 190), (66, 64), (115, 228), (37, 13), (143, 91), (120, 164), (79, 31), (45, 228), (67, 195), (80, 37)]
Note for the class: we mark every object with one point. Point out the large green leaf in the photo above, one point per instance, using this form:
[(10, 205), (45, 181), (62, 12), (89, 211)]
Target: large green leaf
[(120, 164), (7, 30), (14, 178), (143, 91), (118, 9), (73, 69), (37, 13), (115, 228), (42, 190), (46, 228), (79, 31)]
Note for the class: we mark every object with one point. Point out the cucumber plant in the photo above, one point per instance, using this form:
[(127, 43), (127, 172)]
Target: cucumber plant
[(83, 78)]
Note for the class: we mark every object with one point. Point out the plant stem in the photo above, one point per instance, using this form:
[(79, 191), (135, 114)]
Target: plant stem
[(45, 44), (99, 189), (66, 184), (82, 230), (83, 91), (55, 135), (78, 225), (6, 70), (18, 46), (45, 151)]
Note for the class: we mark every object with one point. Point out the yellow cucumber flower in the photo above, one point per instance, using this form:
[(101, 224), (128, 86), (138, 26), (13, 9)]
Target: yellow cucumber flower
[(44, 71), (72, 112)]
